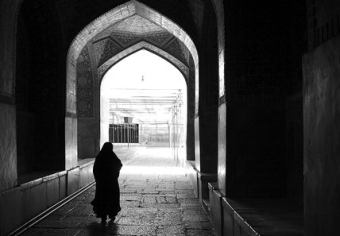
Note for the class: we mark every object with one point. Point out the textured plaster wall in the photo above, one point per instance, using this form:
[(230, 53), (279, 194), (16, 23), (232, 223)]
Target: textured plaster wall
[(8, 169), (222, 148), (322, 139), (191, 112), (190, 140), (197, 145), (88, 138), (8, 152), (71, 155), (104, 118), (219, 10), (8, 11)]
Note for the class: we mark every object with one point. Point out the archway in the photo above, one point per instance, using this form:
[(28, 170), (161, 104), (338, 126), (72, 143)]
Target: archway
[(145, 92), (130, 9)]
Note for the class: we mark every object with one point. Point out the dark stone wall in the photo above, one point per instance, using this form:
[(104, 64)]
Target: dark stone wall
[(258, 47), (25, 142), (256, 151), (264, 47), (321, 119), (8, 167), (41, 89), (208, 92), (296, 37), (24, 99), (191, 112), (8, 151), (258, 77), (321, 139), (294, 149)]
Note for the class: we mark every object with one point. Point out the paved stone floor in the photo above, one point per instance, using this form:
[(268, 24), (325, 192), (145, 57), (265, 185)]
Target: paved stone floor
[(156, 199)]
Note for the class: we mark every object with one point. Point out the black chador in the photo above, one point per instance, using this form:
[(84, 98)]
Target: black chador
[(106, 172)]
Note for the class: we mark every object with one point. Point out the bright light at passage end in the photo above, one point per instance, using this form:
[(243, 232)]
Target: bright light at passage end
[(144, 69)]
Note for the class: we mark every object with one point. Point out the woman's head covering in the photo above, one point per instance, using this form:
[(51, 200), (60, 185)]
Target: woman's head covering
[(106, 162), (107, 147)]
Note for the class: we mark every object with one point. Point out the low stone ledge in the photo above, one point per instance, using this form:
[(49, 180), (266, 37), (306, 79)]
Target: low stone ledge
[(215, 207), (40, 191), (207, 177), (265, 216), (191, 164), (212, 186), (85, 162), (45, 177), (191, 173), (36, 178), (203, 180)]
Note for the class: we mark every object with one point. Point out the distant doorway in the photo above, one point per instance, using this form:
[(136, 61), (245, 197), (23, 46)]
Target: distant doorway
[(143, 102)]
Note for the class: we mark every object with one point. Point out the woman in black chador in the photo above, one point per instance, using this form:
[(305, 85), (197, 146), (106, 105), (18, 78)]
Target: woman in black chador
[(106, 172)]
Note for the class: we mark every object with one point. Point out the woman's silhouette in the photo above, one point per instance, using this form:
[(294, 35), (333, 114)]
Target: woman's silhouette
[(106, 172)]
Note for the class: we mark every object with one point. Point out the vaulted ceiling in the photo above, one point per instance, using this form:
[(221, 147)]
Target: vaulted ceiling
[(133, 30)]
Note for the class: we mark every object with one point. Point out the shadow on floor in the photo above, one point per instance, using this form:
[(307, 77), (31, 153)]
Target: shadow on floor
[(98, 229)]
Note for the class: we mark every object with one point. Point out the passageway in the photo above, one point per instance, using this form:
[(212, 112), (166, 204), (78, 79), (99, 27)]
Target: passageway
[(255, 123), (156, 199)]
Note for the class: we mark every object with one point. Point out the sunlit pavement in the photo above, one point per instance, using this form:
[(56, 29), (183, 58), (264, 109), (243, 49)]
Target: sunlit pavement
[(156, 199)]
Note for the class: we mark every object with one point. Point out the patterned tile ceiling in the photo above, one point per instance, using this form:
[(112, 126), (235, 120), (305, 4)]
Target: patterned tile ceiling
[(133, 30), (134, 25), (137, 25)]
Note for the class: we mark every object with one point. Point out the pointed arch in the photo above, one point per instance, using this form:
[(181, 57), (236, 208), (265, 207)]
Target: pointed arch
[(110, 18), (114, 16)]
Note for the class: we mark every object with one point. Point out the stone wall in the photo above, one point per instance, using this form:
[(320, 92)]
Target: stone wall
[(255, 151), (294, 150), (321, 139), (8, 167), (8, 152), (321, 116), (208, 93), (256, 68)]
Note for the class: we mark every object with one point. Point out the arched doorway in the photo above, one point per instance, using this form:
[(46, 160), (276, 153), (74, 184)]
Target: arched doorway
[(87, 61), (146, 93)]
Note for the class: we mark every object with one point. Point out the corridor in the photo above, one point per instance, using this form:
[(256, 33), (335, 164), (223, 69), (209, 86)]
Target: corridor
[(156, 199)]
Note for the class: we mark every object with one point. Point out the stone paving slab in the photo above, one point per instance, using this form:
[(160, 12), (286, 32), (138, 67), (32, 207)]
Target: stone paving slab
[(152, 204)]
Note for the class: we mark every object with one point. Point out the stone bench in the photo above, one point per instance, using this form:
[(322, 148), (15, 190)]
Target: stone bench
[(254, 216)]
